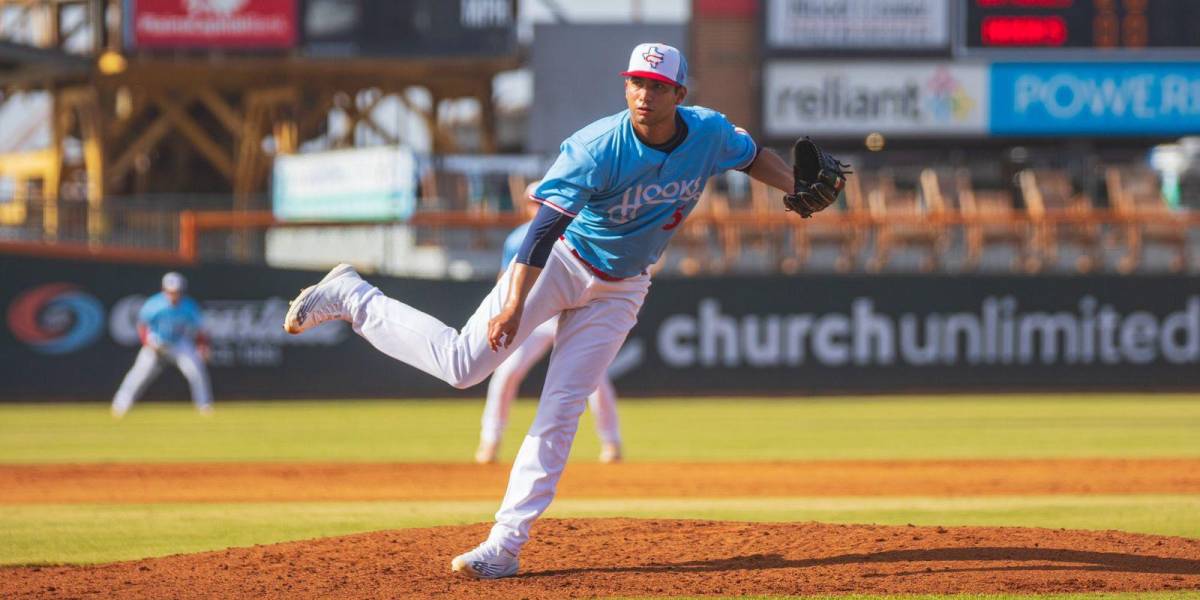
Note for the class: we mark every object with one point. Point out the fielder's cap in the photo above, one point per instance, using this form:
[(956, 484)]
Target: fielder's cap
[(658, 61), (174, 282)]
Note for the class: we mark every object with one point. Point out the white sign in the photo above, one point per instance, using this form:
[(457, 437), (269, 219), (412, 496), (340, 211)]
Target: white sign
[(856, 24), (362, 183), (914, 99)]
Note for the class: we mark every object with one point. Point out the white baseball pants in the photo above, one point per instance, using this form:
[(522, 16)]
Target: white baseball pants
[(506, 379), (148, 365), (594, 316)]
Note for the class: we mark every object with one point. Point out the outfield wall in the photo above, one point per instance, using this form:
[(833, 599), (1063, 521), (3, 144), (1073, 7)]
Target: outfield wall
[(69, 334)]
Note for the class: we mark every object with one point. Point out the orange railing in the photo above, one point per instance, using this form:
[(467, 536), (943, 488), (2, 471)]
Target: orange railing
[(716, 232), (194, 224)]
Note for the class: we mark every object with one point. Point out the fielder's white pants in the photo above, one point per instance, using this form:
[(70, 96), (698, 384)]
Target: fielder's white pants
[(505, 381), (594, 316), (148, 365)]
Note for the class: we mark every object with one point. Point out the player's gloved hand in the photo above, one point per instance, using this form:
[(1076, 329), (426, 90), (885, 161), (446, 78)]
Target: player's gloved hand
[(819, 179)]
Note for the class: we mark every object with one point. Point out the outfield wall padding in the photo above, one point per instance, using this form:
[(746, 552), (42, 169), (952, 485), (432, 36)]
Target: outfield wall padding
[(68, 333)]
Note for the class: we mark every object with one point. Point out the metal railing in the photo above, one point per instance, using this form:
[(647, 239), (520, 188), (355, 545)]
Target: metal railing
[(709, 242)]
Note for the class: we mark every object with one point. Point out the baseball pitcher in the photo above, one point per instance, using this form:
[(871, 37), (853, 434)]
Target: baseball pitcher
[(616, 194)]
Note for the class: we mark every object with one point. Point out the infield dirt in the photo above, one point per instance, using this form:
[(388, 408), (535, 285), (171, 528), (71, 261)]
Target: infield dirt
[(639, 558), (261, 482), (628, 557)]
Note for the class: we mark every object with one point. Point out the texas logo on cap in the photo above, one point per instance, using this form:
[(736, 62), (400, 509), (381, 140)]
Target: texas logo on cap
[(658, 61)]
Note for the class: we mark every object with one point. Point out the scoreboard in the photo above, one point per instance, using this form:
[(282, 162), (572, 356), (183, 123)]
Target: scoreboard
[(1103, 24)]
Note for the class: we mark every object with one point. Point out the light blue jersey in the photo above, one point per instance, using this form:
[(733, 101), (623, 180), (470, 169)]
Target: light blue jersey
[(627, 199), (171, 324), (512, 244)]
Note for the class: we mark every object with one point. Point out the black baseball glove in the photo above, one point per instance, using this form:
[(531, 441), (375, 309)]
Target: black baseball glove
[(819, 179)]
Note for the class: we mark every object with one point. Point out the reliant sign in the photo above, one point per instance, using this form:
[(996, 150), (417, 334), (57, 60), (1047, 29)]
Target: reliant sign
[(915, 99)]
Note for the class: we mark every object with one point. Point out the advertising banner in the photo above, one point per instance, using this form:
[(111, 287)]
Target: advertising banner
[(857, 24), (205, 24), (915, 99), (355, 184), (415, 28), (68, 332), (1095, 98), (916, 333)]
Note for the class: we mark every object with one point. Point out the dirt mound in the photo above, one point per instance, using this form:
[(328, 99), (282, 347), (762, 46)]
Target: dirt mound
[(630, 557)]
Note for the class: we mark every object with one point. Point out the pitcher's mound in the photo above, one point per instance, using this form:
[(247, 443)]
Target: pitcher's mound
[(636, 558)]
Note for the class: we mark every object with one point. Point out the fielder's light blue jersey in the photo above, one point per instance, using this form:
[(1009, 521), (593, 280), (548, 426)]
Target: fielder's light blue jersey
[(512, 244), (171, 324), (627, 199)]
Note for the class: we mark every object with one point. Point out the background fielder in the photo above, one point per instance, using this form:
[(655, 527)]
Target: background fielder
[(170, 326), (506, 380), (610, 203)]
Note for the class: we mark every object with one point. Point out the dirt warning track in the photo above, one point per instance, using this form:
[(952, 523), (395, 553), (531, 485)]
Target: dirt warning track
[(634, 558), (260, 482)]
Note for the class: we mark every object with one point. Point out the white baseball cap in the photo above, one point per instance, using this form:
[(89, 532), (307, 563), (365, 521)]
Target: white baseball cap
[(658, 61), (174, 282)]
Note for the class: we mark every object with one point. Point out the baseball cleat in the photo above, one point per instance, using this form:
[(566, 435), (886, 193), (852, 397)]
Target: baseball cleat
[(318, 303), (488, 561), (486, 453), (610, 453)]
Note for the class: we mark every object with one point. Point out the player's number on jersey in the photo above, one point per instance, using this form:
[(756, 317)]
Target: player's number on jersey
[(675, 219)]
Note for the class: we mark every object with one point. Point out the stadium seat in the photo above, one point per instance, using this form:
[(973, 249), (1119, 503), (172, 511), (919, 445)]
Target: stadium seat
[(992, 219), (1144, 218), (1060, 217), (901, 220)]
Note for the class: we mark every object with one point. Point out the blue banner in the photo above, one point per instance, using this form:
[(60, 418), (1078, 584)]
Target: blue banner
[(1095, 98)]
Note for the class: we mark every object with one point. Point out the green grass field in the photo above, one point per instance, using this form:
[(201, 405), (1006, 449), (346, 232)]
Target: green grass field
[(738, 429), (734, 429), (1093, 596)]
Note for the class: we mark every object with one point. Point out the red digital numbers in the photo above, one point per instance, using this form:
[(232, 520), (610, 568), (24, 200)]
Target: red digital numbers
[(1023, 31)]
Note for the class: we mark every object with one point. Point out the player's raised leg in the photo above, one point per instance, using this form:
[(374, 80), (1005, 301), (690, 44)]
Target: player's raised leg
[(413, 337), (145, 368), (503, 386)]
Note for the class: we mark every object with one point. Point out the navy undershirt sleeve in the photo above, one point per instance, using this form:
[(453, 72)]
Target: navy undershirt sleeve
[(547, 226), (746, 169)]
